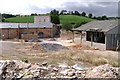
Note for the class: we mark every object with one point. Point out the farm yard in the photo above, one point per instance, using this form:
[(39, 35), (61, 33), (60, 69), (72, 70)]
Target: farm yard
[(55, 51), (56, 57)]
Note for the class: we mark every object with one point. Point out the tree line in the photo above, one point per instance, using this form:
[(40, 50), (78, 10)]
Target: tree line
[(84, 14), (65, 12)]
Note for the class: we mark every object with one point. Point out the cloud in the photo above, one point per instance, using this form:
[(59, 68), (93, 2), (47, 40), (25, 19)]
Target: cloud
[(36, 9), (97, 7)]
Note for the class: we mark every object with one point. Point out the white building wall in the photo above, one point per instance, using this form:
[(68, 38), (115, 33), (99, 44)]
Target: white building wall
[(42, 19)]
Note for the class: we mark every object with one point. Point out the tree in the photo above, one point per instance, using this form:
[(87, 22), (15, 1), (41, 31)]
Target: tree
[(72, 12), (54, 12), (55, 16), (99, 18), (104, 17), (62, 12), (83, 14), (90, 15), (34, 14), (3, 19), (94, 17), (76, 13), (55, 19), (7, 15)]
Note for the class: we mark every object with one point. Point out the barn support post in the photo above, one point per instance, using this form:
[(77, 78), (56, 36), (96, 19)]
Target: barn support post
[(117, 48), (105, 41), (73, 36), (91, 39), (80, 37)]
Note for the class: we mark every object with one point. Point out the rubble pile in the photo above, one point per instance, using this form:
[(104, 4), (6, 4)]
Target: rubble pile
[(19, 70), (53, 47)]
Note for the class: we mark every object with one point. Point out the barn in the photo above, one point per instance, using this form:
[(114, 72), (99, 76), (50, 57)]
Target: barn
[(105, 32), (41, 28)]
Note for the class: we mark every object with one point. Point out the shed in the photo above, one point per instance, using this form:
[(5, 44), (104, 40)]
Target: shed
[(105, 32)]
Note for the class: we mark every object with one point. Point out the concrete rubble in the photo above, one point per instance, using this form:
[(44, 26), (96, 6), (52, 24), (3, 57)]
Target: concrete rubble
[(20, 70)]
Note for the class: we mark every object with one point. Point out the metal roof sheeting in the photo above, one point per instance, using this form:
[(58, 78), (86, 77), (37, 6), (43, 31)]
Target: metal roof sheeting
[(25, 25), (101, 26)]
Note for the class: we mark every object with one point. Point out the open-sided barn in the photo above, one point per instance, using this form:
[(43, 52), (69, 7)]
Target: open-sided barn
[(105, 32)]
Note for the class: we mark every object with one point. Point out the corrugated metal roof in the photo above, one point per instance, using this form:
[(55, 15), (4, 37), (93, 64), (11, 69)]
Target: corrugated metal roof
[(102, 26), (25, 25)]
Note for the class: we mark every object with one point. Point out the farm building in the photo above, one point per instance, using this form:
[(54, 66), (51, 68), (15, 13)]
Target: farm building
[(106, 32), (41, 28)]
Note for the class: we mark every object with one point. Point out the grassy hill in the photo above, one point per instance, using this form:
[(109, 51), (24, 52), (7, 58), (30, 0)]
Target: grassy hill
[(73, 19), (20, 19), (66, 20)]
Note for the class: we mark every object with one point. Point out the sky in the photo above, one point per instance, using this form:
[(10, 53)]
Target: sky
[(26, 7)]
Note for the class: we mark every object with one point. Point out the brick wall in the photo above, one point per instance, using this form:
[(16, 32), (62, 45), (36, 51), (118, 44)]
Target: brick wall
[(11, 33), (28, 36)]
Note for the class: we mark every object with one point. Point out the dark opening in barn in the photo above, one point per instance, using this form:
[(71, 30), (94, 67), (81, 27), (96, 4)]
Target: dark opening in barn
[(40, 35), (98, 37)]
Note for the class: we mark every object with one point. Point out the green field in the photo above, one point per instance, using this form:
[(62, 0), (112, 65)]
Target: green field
[(66, 20), (20, 19), (73, 19), (63, 19)]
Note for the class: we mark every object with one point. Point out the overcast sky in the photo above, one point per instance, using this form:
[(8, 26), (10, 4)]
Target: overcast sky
[(97, 7)]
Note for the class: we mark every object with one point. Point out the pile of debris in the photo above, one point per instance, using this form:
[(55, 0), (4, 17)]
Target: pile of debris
[(20, 70), (53, 47), (46, 47)]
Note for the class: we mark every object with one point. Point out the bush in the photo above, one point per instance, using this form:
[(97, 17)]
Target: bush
[(67, 26), (3, 20), (24, 60)]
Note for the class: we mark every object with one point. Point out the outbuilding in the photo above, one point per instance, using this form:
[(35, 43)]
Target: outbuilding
[(106, 32), (41, 28)]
